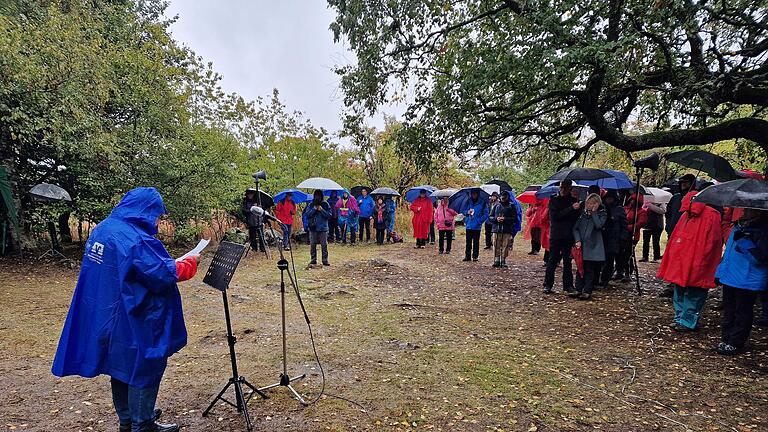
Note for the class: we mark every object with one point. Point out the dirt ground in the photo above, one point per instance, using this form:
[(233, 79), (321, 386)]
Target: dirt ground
[(409, 340)]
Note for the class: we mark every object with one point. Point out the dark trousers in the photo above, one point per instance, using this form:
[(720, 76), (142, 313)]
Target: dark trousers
[(334, 233), (254, 236), (380, 233), (473, 244), (488, 236), (586, 283), (738, 315), (535, 240), (134, 405), (421, 242), (318, 238), (656, 236), (432, 233), (623, 259), (446, 239), (607, 271), (559, 250), (546, 256), (365, 225)]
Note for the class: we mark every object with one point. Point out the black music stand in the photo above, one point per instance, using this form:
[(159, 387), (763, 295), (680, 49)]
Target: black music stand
[(218, 276)]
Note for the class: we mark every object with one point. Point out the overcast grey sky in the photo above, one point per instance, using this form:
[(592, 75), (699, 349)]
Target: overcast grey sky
[(258, 45)]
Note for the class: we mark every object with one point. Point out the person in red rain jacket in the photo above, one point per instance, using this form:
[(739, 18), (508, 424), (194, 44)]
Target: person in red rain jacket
[(542, 214), (285, 211), (730, 217), (534, 226), (690, 260), (422, 217), (624, 264)]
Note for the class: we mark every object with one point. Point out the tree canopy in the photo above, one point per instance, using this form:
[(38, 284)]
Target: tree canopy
[(562, 74)]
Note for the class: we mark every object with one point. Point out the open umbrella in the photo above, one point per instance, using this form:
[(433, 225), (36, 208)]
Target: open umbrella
[(385, 191), (320, 183), (501, 183), (356, 191), (527, 197), (298, 196), (460, 201), (656, 195), (748, 173), (716, 166), (532, 188), (553, 187), (491, 188), (46, 192), (580, 174), (443, 193), (744, 193), (265, 199), (617, 181), (414, 192)]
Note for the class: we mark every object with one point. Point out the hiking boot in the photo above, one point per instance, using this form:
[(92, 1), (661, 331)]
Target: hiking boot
[(467, 259), (727, 349), (574, 294), (547, 290), (326, 263), (680, 328), (496, 263), (585, 296), (667, 292), (504, 264)]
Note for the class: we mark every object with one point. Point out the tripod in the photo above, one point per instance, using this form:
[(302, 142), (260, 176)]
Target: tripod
[(218, 275), (638, 175), (285, 379)]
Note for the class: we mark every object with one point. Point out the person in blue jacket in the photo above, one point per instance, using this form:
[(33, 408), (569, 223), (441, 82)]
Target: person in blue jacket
[(318, 215), (474, 218), (743, 272), (392, 208), (125, 318), (366, 204)]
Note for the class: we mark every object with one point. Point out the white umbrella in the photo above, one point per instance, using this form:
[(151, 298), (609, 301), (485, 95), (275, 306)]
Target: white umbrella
[(491, 188), (657, 196), (443, 193), (319, 183)]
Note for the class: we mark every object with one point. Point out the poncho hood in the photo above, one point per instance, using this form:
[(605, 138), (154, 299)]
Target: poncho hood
[(141, 206)]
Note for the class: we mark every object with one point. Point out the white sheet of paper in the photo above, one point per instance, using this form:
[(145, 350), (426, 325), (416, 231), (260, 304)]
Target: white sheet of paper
[(196, 251)]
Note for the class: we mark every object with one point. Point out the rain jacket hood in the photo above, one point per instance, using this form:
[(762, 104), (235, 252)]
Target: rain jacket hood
[(141, 206)]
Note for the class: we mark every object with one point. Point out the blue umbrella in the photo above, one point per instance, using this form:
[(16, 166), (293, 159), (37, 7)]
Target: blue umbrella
[(414, 192), (618, 180), (298, 196), (460, 201), (553, 188)]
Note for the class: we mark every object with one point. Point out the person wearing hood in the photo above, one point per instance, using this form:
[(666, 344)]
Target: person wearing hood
[(285, 212), (614, 233), (445, 220), (588, 236), (534, 216), (392, 209), (564, 210), (347, 211), (474, 218), (318, 215), (334, 233), (125, 319), (685, 184), (253, 220), (743, 272), (492, 200), (366, 205), (380, 220), (422, 218), (690, 260), (635, 222), (505, 219)]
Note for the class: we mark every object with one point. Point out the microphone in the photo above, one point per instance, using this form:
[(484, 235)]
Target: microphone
[(263, 213)]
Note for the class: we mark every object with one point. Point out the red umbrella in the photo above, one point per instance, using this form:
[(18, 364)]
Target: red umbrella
[(527, 197), (578, 257)]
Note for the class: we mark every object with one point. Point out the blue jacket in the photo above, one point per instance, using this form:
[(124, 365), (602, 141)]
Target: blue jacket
[(318, 220), (125, 318), (476, 221), (745, 262), (519, 222), (392, 212), (366, 206)]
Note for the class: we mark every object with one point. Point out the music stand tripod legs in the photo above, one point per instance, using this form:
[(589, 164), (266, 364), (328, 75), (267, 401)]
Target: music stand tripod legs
[(238, 381), (285, 379)]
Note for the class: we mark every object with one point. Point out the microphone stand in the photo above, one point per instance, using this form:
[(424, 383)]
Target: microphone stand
[(285, 379)]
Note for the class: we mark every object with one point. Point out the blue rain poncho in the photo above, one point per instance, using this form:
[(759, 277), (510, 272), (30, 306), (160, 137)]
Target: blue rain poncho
[(125, 318)]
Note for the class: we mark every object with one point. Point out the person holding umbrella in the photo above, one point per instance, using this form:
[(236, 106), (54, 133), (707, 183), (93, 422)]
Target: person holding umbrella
[(444, 219), (474, 218), (253, 220), (392, 209), (685, 184), (504, 217), (743, 272), (422, 218), (614, 233), (535, 214), (380, 219), (347, 211), (334, 233), (588, 237), (563, 212), (318, 215), (690, 260), (285, 211), (366, 204), (489, 224)]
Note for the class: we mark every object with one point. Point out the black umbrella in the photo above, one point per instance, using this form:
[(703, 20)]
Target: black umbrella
[(580, 174), (716, 166), (356, 191), (532, 188), (49, 193), (745, 193), (503, 185), (266, 199), (385, 191)]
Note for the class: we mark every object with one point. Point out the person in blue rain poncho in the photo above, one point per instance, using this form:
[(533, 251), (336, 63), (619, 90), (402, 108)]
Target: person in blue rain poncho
[(125, 318)]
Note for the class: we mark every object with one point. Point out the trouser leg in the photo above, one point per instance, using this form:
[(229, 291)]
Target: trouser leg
[(738, 315), (287, 236), (313, 247), (253, 238), (432, 232), (120, 401), (441, 241), (498, 245), (380, 235), (656, 245), (646, 242), (591, 270), (142, 404), (567, 271), (448, 240), (468, 249), (332, 226), (535, 240), (607, 268), (678, 294), (693, 302), (555, 255), (546, 256), (322, 238), (476, 245), (488, 236)]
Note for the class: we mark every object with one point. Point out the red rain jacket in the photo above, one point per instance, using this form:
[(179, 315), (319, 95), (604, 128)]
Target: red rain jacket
[(543, 213), (642, 217), (730, 217), (694, 248), (422, 217), (285, 210)]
